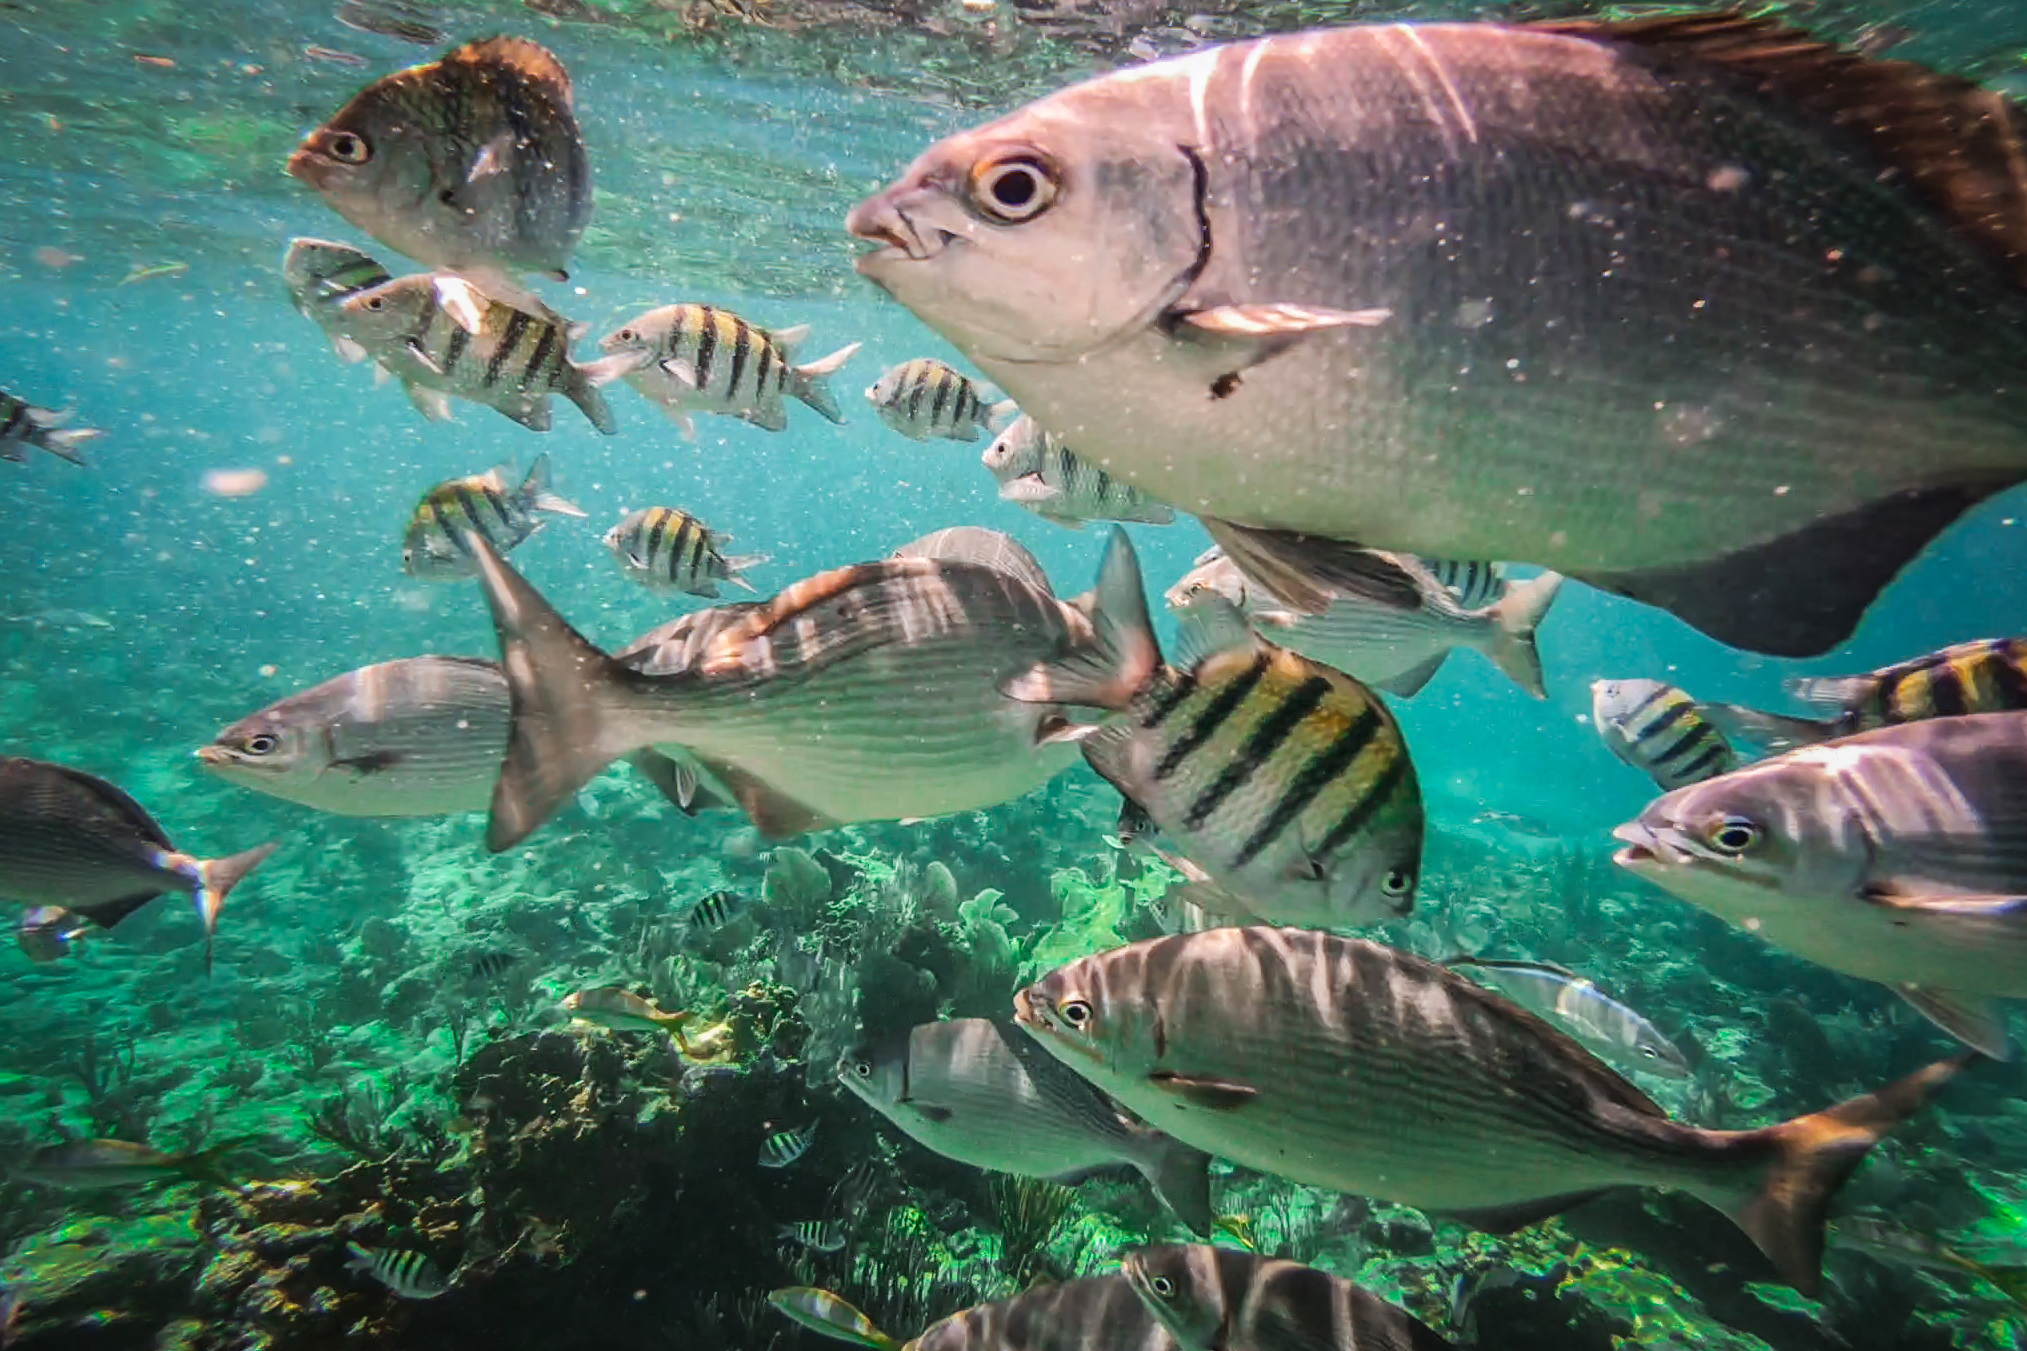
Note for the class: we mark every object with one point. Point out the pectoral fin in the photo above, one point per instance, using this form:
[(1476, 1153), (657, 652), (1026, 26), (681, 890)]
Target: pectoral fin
[(1220, 1095), (433, 404), (1279, 320), (1973, 1019), (1409, 683), (1506, 1219), (463, 302), (1306, 572), (777, 815)]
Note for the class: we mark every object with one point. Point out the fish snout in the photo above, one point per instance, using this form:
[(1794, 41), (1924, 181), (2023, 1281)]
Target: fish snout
[(1647, 849), (883, 220), (308, 166), (213, 756)]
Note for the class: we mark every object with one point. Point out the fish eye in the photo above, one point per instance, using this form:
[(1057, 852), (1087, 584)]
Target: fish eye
[(1075, 1012), (1013, 188), (1650, 1053), (265, 743), (1733, 834), (1163, 1287), (347, 148), (863, 1068), (628, 335), (1397, 882)]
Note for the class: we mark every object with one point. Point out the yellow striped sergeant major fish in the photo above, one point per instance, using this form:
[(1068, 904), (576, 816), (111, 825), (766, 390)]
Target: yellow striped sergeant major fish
[(701, 359), (1986, 675), (433, 549), (664, 548)]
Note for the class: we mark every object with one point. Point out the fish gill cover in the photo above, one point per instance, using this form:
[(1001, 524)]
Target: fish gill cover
[(812, 915)]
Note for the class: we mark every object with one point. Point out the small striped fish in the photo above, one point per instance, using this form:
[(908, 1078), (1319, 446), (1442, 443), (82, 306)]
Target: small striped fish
[(487, 965), (442, 337), (23, 424), (924, 398), (701, 359), (1340, 1063), (1608, 1029), (433, 549), (1393, 619), (827, 1315), (1038, 472), (1659, 730), (783, 1148), (1987, 675), (661, 547), (406, 1272), (1240, 1301), (319, 274), (717, 910), (820, 1235), (1286, 783)]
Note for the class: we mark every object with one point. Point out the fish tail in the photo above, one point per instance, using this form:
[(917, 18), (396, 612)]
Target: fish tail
[(1110, 671), (1510, 641), (1830, 692), (204, 1165), (812, 381), (1181, 1177), (582, 391), (216, 877), (1775, 732), (63, 442), (535, 492), (738, 564), (565, 695), (1001, 415), (1811, 1157)]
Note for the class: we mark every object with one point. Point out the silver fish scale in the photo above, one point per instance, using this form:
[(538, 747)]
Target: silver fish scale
[(1097, 1313), (1383, 1075), (894, 664), (444, 718)]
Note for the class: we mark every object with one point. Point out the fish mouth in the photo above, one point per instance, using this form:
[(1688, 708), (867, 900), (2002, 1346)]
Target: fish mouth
[(1647, 849), (880, 220), (213, 757), (306, 166)]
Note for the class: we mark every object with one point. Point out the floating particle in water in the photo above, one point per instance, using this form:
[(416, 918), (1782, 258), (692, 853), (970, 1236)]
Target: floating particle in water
[(234, 482), (52, 257)]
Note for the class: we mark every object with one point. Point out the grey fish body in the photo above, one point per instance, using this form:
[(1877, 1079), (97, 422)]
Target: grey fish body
[(122, 1163), (472, 163), (71, 839), (442, 336), (1476, 290), (23, 424), (1660, 731), (980, 1091), (1219, 1299), (421, 736), (1039, 472), (1340, 1063), (1096, 1313), (1897, 855), (1397, 636), (865, 693)]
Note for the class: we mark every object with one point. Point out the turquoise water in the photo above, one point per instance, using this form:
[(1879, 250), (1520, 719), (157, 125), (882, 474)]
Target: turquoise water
[(143, 213)]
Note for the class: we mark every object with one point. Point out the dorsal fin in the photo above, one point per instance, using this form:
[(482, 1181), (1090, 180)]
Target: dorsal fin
[(1961, 146), (533, 62)]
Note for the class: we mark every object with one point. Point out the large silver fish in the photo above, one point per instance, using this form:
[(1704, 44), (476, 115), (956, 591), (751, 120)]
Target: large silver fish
[(1097, 1313), (422, 736), (71, 839), (1396, 628), (868, 692), (1897, 855), (981, 1092), (1286, 785), (1220, 1299), (471, 163), (1340, 1063), (1691, 308)]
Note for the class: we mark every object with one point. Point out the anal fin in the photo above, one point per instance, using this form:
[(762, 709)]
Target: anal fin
[(1506, 1219), (1804, 593), (1409, 683), (776, 814), (1976, 1020)]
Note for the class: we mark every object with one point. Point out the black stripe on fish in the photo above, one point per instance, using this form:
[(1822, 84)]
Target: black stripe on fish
[(945, 387), (1946, 692), (1221, 708), (1672, 715), (545, 347), (1695, 770), (1355, 820), (1314, 778), (1692, 735), (1268, 737), (742, 348), (679, 546), (707, 346), (454, 347), (2009, 682), (17, 415), (1178, 691), (916, 389), (651, 541), (517, 324)]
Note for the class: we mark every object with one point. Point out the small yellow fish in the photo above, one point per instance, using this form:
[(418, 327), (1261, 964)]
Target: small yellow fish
[(624, 1011)]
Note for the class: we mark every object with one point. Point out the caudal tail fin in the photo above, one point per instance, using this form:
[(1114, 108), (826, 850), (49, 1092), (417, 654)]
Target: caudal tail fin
[(812, 381), (564, 694), (581, 390), (64, 442), (535, 491), (736, 565), (1108, 672), (1811, 1157), (1510, 641), (207, 1164), (216, 877), (1774, 732)]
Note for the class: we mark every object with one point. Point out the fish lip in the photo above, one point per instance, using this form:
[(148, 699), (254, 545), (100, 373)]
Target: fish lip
[(212, 756), (1646, 847), (881, 220), (304, 165)]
